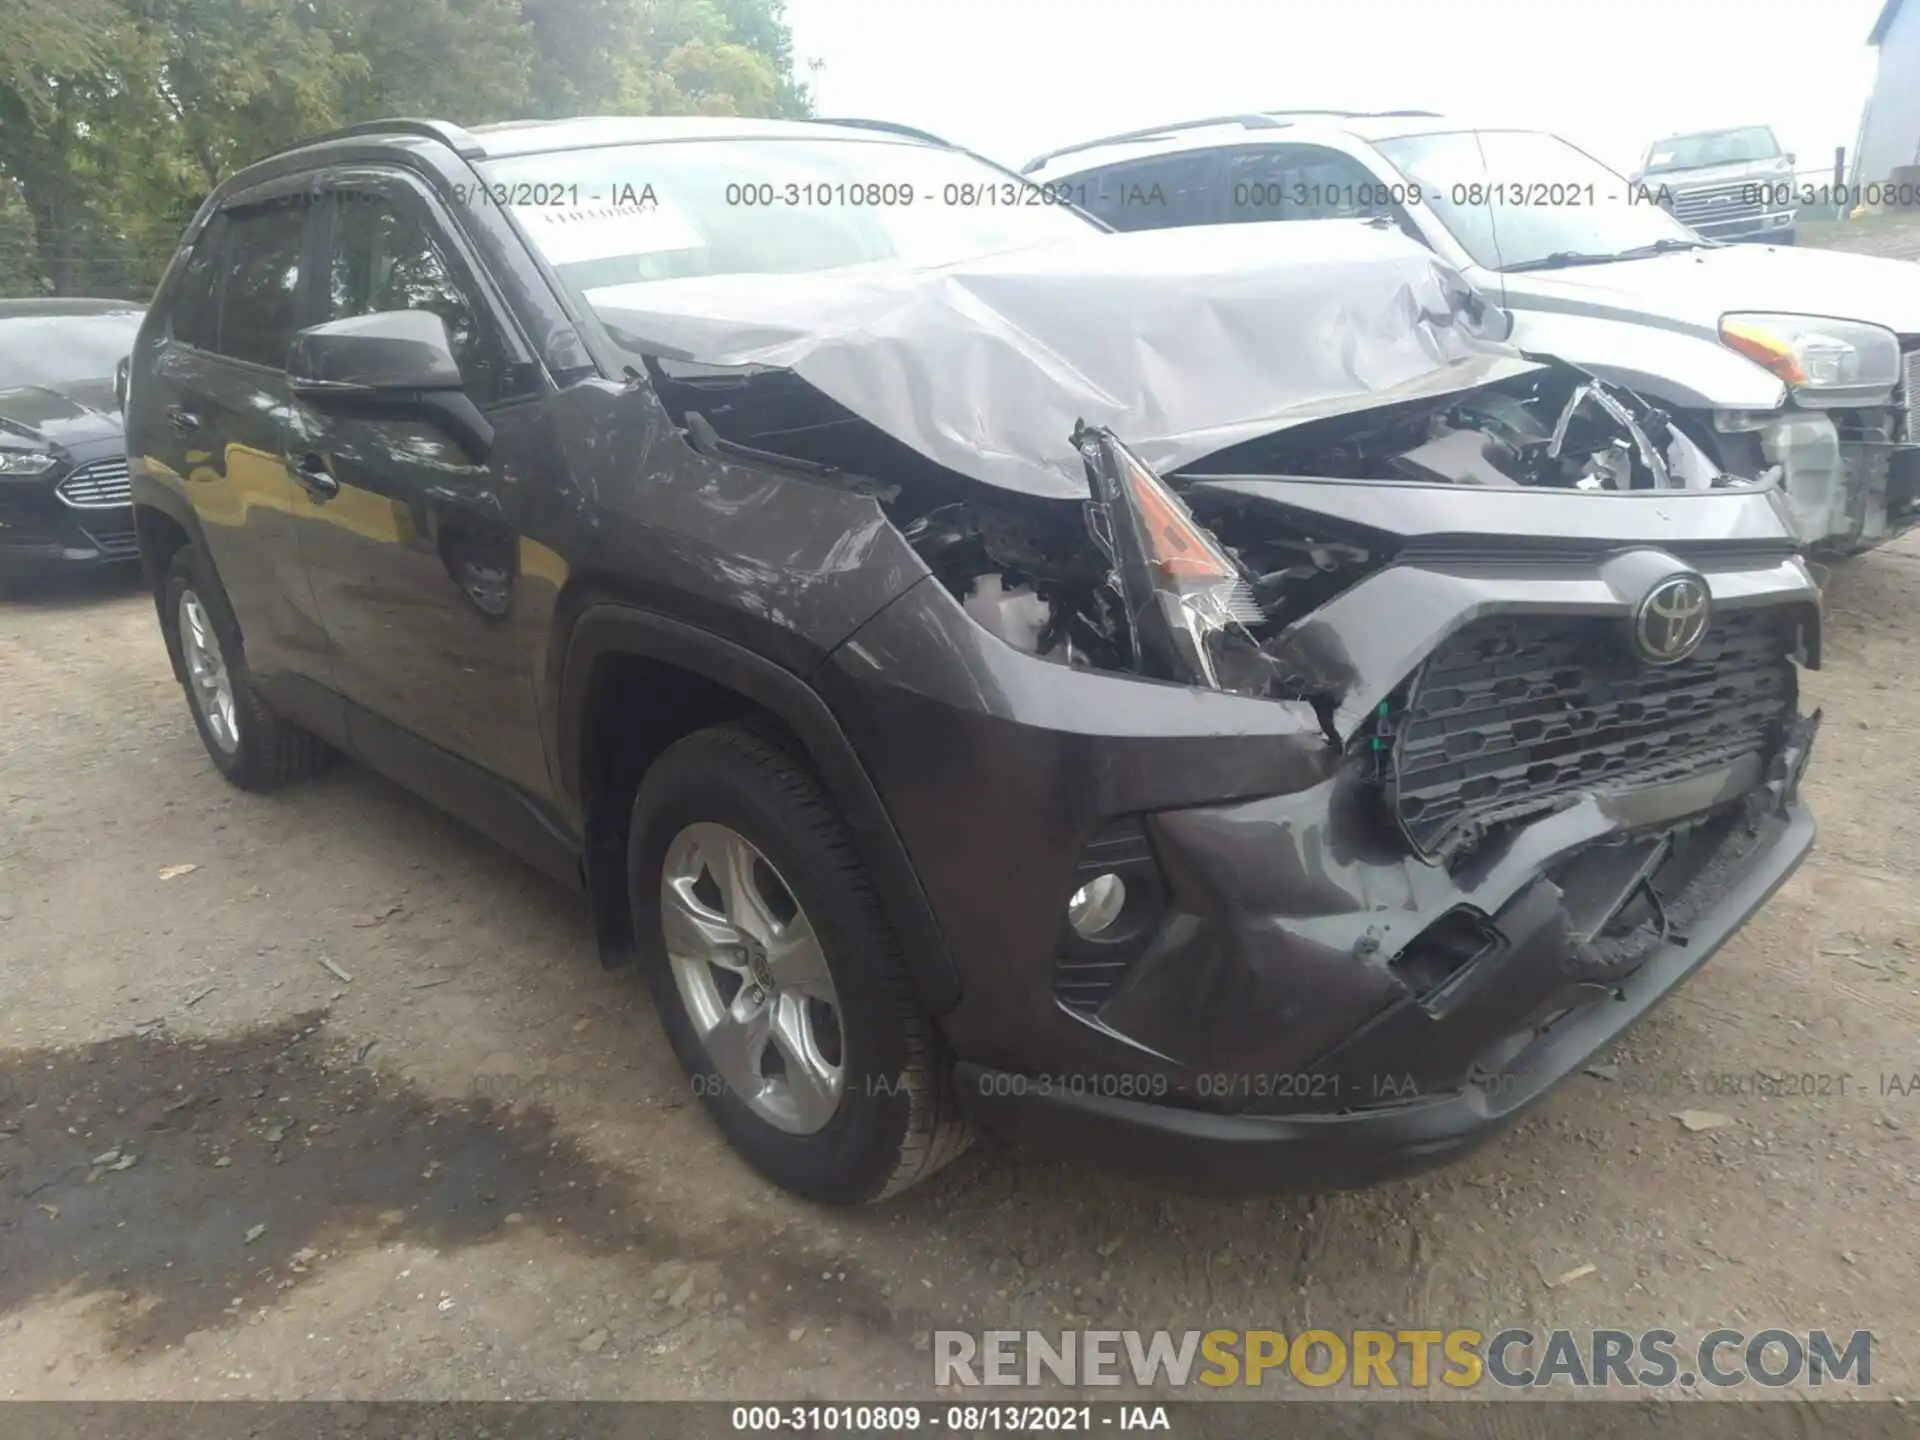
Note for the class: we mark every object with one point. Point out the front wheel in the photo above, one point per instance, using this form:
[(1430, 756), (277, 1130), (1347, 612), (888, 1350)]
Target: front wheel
[(780, 985)]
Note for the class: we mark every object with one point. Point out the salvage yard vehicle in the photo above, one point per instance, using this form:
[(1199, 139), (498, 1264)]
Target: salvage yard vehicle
[(64, 502), (1735, 184), (1798, 364), (1232, 720)]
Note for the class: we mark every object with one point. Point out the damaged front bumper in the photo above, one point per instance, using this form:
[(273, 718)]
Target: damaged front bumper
[(1510, 985), (1361, 932), (1851, 478)]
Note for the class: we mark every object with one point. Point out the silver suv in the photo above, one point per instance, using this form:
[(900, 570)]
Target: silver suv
[(1795, 365), (1732, 184)]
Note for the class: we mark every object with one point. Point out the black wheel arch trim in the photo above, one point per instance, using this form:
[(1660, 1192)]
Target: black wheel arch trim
[(604, 628), (150, 494)]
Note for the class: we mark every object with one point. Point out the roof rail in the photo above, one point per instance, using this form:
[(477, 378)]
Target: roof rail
[(460, 140), (1363, 114), (1251, 121), (889, 127)]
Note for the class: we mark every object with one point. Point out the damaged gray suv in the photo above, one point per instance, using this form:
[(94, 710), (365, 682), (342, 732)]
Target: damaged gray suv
[(1191, 699)]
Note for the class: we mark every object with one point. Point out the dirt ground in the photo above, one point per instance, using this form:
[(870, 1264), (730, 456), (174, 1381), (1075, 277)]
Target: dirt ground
[(1895, 234), (472, 1169)]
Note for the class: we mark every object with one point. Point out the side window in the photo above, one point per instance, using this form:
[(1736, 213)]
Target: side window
[(1329, 185), (1302, 182), (194, 318), (1257, 182), (260, 281), (1156, 194), (382, 257)]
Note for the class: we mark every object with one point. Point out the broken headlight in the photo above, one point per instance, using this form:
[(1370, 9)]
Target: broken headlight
[(1188, 606), (1829, 361)]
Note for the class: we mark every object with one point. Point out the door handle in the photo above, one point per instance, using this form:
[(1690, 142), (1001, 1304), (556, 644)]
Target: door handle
[(182, 419), (311, 471)]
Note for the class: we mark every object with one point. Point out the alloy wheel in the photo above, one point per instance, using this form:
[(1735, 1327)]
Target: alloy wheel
[(208, 680), (753, 978)]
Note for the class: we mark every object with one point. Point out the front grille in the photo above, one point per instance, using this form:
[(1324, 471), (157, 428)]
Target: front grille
[(1516, 713), (99, 486), (1716, 204)]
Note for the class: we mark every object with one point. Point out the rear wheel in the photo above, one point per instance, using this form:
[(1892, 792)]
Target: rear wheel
[(248, 743), (779, 983)]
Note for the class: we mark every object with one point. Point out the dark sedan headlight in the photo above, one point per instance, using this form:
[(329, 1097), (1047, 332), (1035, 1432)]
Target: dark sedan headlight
[(26, 462)]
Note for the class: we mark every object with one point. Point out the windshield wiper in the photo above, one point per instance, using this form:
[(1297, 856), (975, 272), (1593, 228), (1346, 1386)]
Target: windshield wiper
[(1562, 259), (1662, 247)]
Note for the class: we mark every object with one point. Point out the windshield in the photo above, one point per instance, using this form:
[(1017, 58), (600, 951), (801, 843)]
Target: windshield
[(1516, 198), (57, 350), (1716, 147), (624, 214)]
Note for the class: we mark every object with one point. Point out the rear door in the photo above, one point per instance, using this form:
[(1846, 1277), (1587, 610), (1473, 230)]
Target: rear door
[(436, 609), (211, 421)]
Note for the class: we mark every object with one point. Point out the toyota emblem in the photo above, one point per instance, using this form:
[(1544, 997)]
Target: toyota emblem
[(1672, 620)]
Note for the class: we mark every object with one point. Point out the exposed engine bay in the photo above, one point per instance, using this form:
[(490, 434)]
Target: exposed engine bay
[(1555, 428), (1206, 578), (1132, 579)]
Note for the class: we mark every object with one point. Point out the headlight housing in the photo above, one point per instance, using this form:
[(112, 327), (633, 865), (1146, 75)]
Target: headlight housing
[(26, 462), (1830, 362)]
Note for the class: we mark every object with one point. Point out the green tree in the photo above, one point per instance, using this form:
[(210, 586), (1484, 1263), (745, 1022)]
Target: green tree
[(242, 78), (118, 116), (661, 57), (76, 105), (468, 61)]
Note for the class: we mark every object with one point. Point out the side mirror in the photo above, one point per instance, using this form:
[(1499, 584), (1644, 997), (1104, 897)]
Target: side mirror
[(1791, 157), (393, 364)]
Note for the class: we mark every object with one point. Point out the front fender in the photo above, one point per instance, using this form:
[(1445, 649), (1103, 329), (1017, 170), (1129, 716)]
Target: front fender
[(1660, 361), (609, 627)]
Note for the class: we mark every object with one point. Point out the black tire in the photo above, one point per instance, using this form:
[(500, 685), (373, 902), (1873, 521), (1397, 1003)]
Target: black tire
[(272, 752), (897, 1121)]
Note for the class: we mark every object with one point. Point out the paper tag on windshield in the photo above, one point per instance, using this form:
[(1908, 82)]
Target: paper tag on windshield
[(568, 234)]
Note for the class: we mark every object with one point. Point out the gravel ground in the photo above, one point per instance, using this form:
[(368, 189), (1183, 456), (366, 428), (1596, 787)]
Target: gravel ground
[(1895, 235), (348, 1108)]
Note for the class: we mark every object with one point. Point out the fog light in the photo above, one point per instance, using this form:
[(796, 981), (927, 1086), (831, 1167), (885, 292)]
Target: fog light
[(1096, 905)]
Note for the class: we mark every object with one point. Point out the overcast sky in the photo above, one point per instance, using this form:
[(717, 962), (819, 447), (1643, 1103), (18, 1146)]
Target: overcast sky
[(1011, 78)]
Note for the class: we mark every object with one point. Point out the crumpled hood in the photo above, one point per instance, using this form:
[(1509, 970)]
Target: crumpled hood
[(77, 412), (1697, 287), (1184, 341)]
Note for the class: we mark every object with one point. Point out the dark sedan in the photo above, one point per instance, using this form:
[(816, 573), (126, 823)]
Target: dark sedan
[(63, 461)]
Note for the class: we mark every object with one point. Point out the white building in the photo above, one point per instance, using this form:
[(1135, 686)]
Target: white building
[(1890, 128)]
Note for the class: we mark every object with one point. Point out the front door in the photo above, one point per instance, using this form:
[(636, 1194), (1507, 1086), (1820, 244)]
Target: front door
[(414, 545), (215, 411)]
